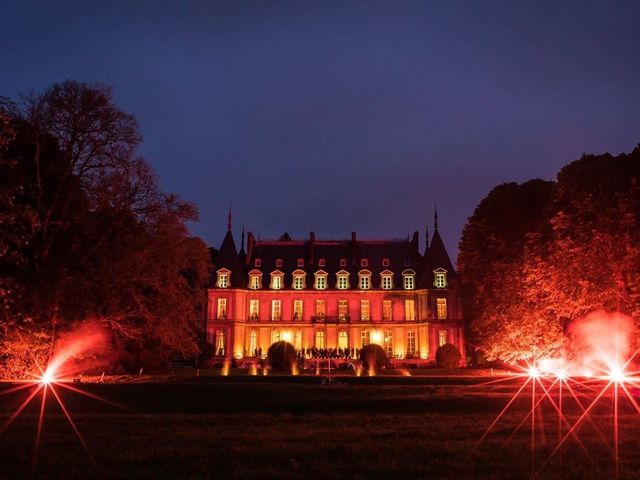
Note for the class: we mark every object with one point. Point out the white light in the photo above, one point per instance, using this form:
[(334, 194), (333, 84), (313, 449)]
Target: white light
[(561, 374), (616, 374), (47, 377), (533, 372)]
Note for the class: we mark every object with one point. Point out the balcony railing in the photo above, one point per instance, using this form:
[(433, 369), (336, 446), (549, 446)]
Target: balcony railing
[(331, 319)]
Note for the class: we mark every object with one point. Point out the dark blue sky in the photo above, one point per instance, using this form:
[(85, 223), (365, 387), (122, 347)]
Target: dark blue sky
[(344, 115)]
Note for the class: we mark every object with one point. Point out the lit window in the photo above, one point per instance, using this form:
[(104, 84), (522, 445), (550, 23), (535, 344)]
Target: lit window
[(254, 310), (387, 310), (409, 279), (319, 339), (257, 263), (220, 343), (298, 340), (275, 336), (442, 337), (411, 344), (441, 304), (364, 280), (321, 280), (255, 279), (388, 343), (253, 343), (321, 262), (343, 339), (387, 280), (223, 278), (276, 280), (300, 262), (364, 262), (321, 308), (440, 278), (343, 280), (409, 310), (222, 309), (385, 262), (343, 309), (276, 310), (278, 262), (365, 338), (297, 309), (343, 262), (365, 310), (298, 279)]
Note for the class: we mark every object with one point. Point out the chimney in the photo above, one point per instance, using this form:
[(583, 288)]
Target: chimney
[(250, 241), (415, 241), (354, 251), (312, 240)]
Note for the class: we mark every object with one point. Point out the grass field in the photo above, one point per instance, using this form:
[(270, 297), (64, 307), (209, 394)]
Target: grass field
[(295, 427)]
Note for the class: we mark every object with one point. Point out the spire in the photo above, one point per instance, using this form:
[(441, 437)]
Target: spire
[(435, 217), (426, 237), (229, 218), (242, 240)]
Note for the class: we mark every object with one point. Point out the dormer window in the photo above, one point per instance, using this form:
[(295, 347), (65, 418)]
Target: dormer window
[(343, 262), (321, 262), (257, 262), (364, 279), (385, 262), (255, 279), (342, 280), (279, 262), (320, 280), (409, 279), (440, 278), (298, 279), (223, 278), (364, 262), (300, 262), (386, 280), (276, 280)]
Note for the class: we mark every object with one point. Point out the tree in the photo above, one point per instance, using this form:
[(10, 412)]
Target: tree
[(448, 356), (373, 357), (282, 356)]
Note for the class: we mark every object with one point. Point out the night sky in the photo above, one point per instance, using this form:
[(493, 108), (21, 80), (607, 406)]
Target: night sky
[(344, 116)]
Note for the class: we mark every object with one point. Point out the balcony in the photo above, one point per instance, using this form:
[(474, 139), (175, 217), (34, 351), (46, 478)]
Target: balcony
[(331, 319)]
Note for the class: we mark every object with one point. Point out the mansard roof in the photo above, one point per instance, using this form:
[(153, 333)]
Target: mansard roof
[(228, 258)]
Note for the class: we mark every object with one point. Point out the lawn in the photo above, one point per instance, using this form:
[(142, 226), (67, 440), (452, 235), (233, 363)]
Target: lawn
[(296, 427)]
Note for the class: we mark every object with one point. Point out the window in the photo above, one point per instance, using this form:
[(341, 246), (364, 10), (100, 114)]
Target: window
[(343, 309), (387, 281), (276, 279), (275, 336), (385, 262), (276, 310), (278, 262), (255, 279), (321, 280), (343, 339), (222, 309), (343, 262), (411, 344), (298, 279), (319, 339), (253, 343), (220, 343), (365, 338), (321, 309), (254, 310), (364, 262), (298, 340), (409, 310), (388, 343), (365, 310), (343, 280), (364, 280), (223, 278), (387, 310), (440, 278), (297, 310), (442, 337), (409, 279), (257, 262), (321, 262), (441, 308), (301, 262)]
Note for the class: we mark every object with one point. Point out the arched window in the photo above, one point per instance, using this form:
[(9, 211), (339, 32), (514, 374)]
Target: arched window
[(298, 279), (223, 278), (409, 279), (342, 280), (276, 280), (386, 280), (364, 279), (255, 280), (440, 278), (320, 280)]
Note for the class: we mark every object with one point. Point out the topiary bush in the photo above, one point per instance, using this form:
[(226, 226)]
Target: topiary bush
[(281, 355), (373, 357), (448, 356)]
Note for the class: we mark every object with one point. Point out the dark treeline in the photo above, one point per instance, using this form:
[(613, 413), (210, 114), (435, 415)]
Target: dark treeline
[(537, 256), (87, 235)]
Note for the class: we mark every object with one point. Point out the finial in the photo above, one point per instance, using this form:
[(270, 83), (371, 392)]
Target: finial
[(242, 241), (435, 216), (229, 218), (426, 235)]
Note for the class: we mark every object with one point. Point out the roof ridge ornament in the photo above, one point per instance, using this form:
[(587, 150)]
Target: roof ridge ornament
[(435, 216), (229, 218)]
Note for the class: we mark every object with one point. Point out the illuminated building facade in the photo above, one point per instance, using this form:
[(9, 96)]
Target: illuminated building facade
[(336, 295)]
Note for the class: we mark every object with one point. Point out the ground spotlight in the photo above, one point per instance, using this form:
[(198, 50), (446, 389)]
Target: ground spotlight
[(616, 374), (534, 372)]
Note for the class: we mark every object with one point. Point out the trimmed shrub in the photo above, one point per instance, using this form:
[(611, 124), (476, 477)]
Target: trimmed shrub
[(281, 355), (373, 357), (448, 356)]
